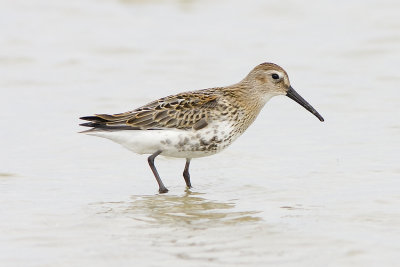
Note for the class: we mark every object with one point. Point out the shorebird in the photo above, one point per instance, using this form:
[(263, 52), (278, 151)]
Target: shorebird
[(197, 123)]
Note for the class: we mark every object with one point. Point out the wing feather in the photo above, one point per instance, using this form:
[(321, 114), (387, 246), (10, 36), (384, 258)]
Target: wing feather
[(181, 111)]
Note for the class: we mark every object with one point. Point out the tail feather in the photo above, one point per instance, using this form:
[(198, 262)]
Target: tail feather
[(102, 124), (91, 124)]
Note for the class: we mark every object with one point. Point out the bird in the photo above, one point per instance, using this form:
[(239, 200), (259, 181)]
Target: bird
[(197, 123)]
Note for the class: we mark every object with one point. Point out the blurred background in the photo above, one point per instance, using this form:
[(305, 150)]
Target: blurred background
[(292, 191)]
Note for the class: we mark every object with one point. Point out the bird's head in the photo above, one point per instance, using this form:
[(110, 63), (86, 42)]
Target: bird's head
[(269, 79)]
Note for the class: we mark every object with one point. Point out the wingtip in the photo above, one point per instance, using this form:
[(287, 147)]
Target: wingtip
[(90, 118)]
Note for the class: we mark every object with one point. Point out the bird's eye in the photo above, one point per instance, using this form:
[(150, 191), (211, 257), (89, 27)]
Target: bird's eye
[(275, 76)]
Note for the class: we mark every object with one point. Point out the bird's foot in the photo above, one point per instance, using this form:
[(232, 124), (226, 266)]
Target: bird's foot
[(163, 190)]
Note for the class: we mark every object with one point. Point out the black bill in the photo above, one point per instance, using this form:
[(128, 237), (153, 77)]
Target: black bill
[(296, 97)]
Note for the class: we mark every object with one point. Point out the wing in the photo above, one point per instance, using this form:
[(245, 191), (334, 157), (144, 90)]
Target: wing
[(181, 111)]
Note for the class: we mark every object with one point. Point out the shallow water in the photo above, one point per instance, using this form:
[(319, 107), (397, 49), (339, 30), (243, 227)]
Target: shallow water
[(290, 192)]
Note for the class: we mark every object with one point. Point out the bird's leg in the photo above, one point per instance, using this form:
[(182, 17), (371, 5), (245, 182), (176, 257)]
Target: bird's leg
[(186, 174), (161, 187)]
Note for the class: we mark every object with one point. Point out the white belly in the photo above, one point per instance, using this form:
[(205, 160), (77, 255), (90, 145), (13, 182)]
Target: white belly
[(173, 142)]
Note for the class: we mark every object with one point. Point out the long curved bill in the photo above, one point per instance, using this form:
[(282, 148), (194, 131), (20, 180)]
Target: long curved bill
[(296, 97)]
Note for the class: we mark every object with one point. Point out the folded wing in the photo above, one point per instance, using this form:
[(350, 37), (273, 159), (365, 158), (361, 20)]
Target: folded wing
[(182, 111)]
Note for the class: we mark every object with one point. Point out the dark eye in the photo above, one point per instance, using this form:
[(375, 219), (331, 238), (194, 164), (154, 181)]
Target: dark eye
[(275, 76)]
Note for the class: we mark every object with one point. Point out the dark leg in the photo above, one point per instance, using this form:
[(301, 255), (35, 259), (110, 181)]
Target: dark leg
[(186, 174), (161, 187)]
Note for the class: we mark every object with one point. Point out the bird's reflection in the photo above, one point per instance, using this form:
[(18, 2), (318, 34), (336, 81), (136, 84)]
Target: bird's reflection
[(189, 209)]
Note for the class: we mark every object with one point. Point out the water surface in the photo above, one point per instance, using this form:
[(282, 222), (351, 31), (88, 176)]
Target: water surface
[(290, 192)]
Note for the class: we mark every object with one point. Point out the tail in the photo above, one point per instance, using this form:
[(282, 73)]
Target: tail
[(104, 122), (95, 121)]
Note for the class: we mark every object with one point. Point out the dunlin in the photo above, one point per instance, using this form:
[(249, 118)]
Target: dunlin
[(197, 123)]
